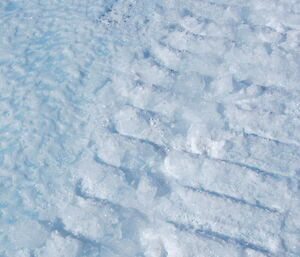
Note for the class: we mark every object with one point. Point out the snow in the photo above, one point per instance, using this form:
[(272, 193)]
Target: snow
[(149, 128)]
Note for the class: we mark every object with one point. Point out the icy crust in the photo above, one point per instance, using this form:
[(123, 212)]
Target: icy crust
[(149, 128)]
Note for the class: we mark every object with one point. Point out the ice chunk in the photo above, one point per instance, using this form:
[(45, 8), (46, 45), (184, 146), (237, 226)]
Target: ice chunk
[(87, 219), (27, 234), (59, 246)]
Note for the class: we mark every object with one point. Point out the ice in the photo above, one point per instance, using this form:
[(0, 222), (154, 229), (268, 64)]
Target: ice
[(59, 246), (149, 128)]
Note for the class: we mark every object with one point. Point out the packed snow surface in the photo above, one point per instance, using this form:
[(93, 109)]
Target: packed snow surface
[(149, 128)]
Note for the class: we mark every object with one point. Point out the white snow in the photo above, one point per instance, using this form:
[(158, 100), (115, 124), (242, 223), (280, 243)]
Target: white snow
[(149, 128)]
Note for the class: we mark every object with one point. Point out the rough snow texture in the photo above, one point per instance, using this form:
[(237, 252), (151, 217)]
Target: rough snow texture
[(149, 128)]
